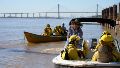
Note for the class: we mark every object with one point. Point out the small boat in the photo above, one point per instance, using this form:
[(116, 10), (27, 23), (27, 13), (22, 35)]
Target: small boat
[(60, 63), (84, 63), (34, 38), (87, 63)]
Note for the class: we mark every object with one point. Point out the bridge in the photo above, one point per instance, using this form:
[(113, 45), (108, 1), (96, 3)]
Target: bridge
[(56, 14), (40, 14)]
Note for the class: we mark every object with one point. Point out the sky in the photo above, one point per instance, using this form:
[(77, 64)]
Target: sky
[(33, 6)]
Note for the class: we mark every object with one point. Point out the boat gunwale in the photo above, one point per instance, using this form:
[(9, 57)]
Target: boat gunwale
[(81, 63), (34, 38)]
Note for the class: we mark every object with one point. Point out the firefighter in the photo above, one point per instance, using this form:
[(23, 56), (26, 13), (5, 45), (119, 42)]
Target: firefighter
[(47, 30), (106, 50)]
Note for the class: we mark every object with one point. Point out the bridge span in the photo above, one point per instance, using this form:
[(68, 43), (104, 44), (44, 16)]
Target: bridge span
[(42, 14)]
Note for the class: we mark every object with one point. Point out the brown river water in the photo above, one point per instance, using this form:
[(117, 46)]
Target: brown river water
[(16, 52)]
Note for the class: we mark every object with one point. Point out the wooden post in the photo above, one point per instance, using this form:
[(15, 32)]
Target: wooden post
[(114, 12), (107, 13), (110, 12), (103, 13), (118, 17), (119, 8)]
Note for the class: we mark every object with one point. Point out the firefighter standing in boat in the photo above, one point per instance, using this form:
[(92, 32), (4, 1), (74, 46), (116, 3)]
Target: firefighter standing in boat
[(64, 29), (74, 29), (47, 30)]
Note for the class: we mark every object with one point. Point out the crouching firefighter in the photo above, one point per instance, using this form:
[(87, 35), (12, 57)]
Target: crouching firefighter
[(71, 52)]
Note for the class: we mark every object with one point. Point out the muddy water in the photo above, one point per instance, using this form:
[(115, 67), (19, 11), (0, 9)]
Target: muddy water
[(16, 52), (30, 56)]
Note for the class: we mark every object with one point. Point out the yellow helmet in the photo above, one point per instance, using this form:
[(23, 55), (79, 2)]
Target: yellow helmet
[(105, 32), (107, 38), (48, 25), (59, 26), (74, 38)]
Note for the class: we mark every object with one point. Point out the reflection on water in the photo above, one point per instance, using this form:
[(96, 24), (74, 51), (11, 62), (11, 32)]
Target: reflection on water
[(16, 52), (51, 47)]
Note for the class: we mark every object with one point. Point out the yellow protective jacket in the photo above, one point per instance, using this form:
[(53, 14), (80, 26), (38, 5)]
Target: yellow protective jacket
[(58, 31), (96, 56), (115, 53), (47, 31), (72, 52), (85, 48)]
